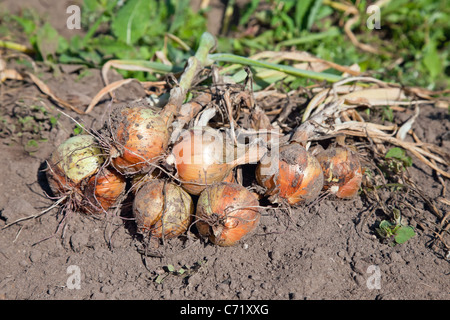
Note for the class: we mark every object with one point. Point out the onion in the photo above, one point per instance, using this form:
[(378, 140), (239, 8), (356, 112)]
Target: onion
[(103, 190), (226, 212), (73, 162), (163, 209), (203, 157), (295, 177), (140, 136), (342, 171)]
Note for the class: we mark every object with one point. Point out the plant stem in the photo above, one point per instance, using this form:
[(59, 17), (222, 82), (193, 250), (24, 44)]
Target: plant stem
[(231, 58), (15, 46), (194, 65)]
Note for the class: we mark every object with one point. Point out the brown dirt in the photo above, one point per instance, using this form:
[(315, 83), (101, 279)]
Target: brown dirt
[(326, 251)]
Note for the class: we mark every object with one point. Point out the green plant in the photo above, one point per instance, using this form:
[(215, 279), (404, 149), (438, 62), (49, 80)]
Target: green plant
[(183, 272), (134, 29), (396, 231), (397, 160), (28, 126)]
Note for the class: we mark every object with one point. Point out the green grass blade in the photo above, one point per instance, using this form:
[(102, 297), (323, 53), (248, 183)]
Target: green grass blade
[(332, 32)]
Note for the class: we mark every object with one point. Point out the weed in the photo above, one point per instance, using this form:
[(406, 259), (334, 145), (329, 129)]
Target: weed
[(183, 272), (412, 37), (396, 231), (396, 160)]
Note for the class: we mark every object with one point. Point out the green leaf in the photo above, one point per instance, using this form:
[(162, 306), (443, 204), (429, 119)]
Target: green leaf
[(32, 144), (313, 13), (91, 5), (404, 233), (47, 41), (132, 21), (160, 278), (28, 25), (179, 17), (77, 130), (386, 226), (431, 60), (300, 9), (54, 120), (249, 11), (396, 153), (109, 46), (171, 268), (388, 113)]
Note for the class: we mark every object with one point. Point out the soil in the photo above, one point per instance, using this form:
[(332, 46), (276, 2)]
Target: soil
[(327, 250)]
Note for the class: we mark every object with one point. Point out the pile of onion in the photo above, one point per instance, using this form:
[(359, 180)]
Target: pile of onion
[(342, 171), (226, 213), (139, 138), (203, 162), (162, 209), (293, 175)]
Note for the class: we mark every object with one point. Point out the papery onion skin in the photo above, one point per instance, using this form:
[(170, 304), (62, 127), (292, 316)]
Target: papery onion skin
[(199, 159), (103, 191), (73, 161), (202, 157), (162, 209), (342, 171), (297, 178), (140, 136), (226, 213)]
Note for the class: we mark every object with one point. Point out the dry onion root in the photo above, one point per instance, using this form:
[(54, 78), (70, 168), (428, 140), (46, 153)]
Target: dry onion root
[(162, 209), (342, 171), (295, 177), (226, 213), (140, 137)]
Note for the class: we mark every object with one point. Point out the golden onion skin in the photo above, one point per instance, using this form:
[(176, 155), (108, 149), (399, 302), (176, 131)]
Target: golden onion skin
[(140, 137), (162, 209), (226, 213), (297, 178), (342, 171)]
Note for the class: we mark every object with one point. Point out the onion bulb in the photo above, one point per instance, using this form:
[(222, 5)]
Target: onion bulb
[(163, 209), (226, 212), (140, 136), (103, 190), (73, 162), (342, 171), (295, 177), (203, 157)]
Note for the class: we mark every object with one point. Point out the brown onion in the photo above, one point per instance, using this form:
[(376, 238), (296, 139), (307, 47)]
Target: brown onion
[(140, 137), (203, 157), (342, 171), (103, 191), (226, 213), (72, 163), (162, 209), (295, 177)]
